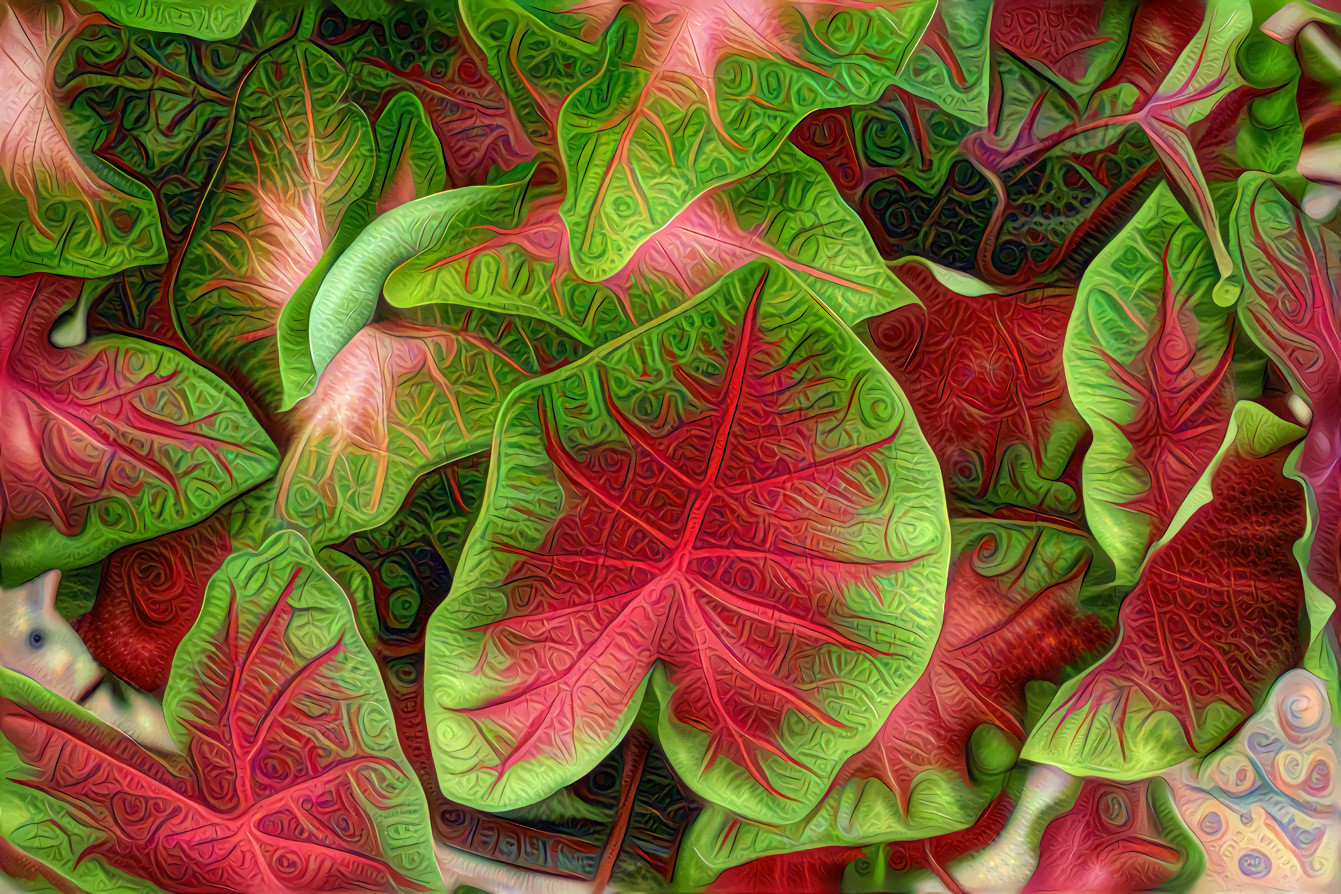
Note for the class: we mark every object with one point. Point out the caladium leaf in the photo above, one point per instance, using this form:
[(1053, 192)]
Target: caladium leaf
[(1197, 72), (1074, 47), (510, 253), (60, 212), (300, 154), (291, 777), (1148, 357), (661, 511), (1292, 309), (1011, 616), (1213, 620), (148, 597), (949, 64), (205, 19), (985, 376), (689, 97), (109, 442)]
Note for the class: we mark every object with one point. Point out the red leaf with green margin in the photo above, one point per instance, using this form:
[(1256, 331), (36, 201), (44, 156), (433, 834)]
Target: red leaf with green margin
[(984, 374), (109, 442), (148, 597), (1012, 615), (1148, 357), (1292, 309), (1213, 620), (1110, 840), (291, 779), (674, 507)]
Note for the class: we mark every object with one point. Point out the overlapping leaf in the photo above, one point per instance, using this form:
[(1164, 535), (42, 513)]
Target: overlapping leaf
[(1214, 618), (1148, 359), (689, 96), (291, 779), (59, 211), (108, 442), (735, 476)]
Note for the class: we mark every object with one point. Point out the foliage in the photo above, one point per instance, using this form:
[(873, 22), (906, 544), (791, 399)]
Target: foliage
[(683, 445)]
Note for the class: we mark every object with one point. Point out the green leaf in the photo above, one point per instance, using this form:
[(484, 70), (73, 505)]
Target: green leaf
[(205, 19), (650, 520), (409, 164), (687, 98), (949, 65), (60, 210), (509, 252), (300, 155), (1148, 364), (1213, 620), (290, 777)]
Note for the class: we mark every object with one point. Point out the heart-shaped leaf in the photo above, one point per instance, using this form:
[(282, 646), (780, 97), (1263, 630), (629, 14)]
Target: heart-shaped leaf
[(291, 777), (673, 508), (108, 442)]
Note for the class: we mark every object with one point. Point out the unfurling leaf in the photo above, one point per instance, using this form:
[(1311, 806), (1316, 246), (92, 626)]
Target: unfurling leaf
[(734, 504)]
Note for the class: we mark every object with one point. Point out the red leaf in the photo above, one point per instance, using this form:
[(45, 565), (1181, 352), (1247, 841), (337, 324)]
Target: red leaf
[(291, 780), (149, 596), (1110, 841), (983, 374), (1004, 626)]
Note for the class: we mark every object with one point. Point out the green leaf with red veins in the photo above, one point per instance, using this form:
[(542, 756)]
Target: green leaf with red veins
[(59, 212), (690, 95), (1148, 361), (508, 251), (1213, 620), (107, 443), (205, 19), (291, 778), (1012, 615), (299, 156), (949, 65), (733, 503)]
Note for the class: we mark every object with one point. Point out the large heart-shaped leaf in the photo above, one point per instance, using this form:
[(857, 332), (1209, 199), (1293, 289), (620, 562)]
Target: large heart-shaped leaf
[(1148, 358), (300, 154), (108, 442), (291, 777), (1214, 619), (938, 761), (688, 96), (674, 508), (59, 211)]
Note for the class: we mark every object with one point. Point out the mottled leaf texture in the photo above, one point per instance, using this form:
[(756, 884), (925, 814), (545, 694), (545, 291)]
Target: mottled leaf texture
[(60, 211), (505, 248), (734, 503), (109, 442), (1148, 361), (148, 597), (300, 154), (206, 19), (949, 64), (1011, 615), (1292, 309), (1213, 620), (291, 777), (687, 96)]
